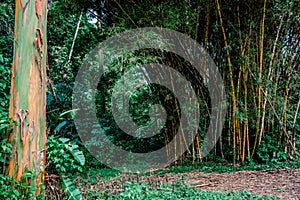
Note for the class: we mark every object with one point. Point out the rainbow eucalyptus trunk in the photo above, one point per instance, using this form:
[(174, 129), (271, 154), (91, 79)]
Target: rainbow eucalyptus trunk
[(28, 91)]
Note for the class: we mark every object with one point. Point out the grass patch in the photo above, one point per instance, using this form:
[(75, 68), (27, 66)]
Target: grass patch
[(106, 173), (226, 167), (167, 191)]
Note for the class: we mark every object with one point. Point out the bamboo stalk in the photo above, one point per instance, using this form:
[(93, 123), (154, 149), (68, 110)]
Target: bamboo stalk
[(270, 77), (294, 125), (258, 135), (233, 96), (207, 22), (286, 96)]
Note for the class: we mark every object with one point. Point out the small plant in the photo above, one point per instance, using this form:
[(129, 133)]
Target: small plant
[(64, 156), (5, 150), (66, 159), (24, 188), (70, 189)]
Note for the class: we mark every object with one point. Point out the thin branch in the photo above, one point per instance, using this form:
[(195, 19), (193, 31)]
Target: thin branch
[(75, 36)]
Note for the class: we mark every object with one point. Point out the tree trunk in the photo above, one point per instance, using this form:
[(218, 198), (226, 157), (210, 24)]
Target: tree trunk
[(28, 91)]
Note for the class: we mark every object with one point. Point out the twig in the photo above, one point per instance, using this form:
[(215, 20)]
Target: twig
[(202, 185)]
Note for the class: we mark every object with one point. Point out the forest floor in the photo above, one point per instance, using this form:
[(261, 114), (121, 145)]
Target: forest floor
[(282, 183)]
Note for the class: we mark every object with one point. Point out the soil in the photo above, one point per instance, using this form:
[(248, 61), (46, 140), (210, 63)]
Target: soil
[(283, 183)]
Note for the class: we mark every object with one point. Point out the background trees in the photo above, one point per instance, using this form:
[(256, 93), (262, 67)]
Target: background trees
[(256, 47)]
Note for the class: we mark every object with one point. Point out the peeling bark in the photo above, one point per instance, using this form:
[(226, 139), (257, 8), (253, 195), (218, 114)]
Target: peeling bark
[(28, 91)]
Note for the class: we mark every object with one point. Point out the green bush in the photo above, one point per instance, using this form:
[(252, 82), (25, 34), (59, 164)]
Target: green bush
[(22, 189), (64, 156), (269, 151)]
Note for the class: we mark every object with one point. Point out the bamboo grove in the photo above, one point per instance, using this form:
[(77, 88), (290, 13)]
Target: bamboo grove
[(255, 45)]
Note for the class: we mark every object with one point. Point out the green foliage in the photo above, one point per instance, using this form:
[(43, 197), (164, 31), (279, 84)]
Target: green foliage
[(23, 189), (269, 151), (62, 23), (178, 191), (5, 150), (6, 52), (70, 189), (187, 18), (64, 156), (227, 167)]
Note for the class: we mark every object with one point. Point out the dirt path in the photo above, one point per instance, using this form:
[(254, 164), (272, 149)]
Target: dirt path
[(283, 183)]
